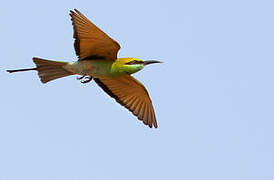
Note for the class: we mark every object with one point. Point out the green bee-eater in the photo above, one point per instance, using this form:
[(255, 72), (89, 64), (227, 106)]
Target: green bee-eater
[(97, 59)]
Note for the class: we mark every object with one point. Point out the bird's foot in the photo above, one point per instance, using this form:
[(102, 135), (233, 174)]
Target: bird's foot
[(79, 78), (87, 79)]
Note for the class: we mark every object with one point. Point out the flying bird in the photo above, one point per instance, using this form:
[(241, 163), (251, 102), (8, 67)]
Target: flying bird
[(97, 60)]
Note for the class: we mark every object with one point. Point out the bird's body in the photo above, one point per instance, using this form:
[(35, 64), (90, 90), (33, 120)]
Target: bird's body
[(98, 60), (97, 68)]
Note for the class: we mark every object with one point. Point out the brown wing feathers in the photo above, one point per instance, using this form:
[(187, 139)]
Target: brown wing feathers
[(133, 97), (90, 41)]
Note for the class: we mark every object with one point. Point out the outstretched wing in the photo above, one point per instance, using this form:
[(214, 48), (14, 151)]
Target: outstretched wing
[(91, 42), (131, 94)]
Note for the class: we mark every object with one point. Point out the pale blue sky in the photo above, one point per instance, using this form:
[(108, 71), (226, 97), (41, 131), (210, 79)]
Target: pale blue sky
[(213, 96)]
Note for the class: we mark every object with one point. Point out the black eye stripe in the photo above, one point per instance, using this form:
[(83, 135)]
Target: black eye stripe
[(134, 62)]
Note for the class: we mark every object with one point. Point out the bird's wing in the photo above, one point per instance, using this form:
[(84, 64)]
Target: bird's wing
[(131, 94), (91, 42)]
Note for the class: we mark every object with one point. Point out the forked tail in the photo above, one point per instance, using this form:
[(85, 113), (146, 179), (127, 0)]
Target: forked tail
[(47, 70)]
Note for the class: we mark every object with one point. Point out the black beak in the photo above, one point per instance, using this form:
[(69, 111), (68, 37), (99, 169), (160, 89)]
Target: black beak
[(151, 62)]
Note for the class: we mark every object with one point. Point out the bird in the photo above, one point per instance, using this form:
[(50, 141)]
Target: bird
[(98, 61)]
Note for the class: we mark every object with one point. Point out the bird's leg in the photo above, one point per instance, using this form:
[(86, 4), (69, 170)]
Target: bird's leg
[(87, 79), (79, 78)]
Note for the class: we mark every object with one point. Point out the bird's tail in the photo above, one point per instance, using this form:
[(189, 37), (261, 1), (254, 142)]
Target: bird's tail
[(48, 70)]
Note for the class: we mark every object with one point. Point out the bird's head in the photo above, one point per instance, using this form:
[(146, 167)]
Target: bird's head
[(131, 65)]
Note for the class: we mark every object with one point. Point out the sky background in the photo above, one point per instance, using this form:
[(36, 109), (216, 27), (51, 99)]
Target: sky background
[(213, 96)]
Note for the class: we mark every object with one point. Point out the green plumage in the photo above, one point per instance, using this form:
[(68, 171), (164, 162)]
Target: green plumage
[(101, 67)]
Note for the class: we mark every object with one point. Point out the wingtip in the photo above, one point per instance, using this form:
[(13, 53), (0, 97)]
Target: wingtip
[(151, 125), (74, 12), (71, 13), (78, 12)]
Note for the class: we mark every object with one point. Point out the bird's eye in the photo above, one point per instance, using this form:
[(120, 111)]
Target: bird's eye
[(134, 62)]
